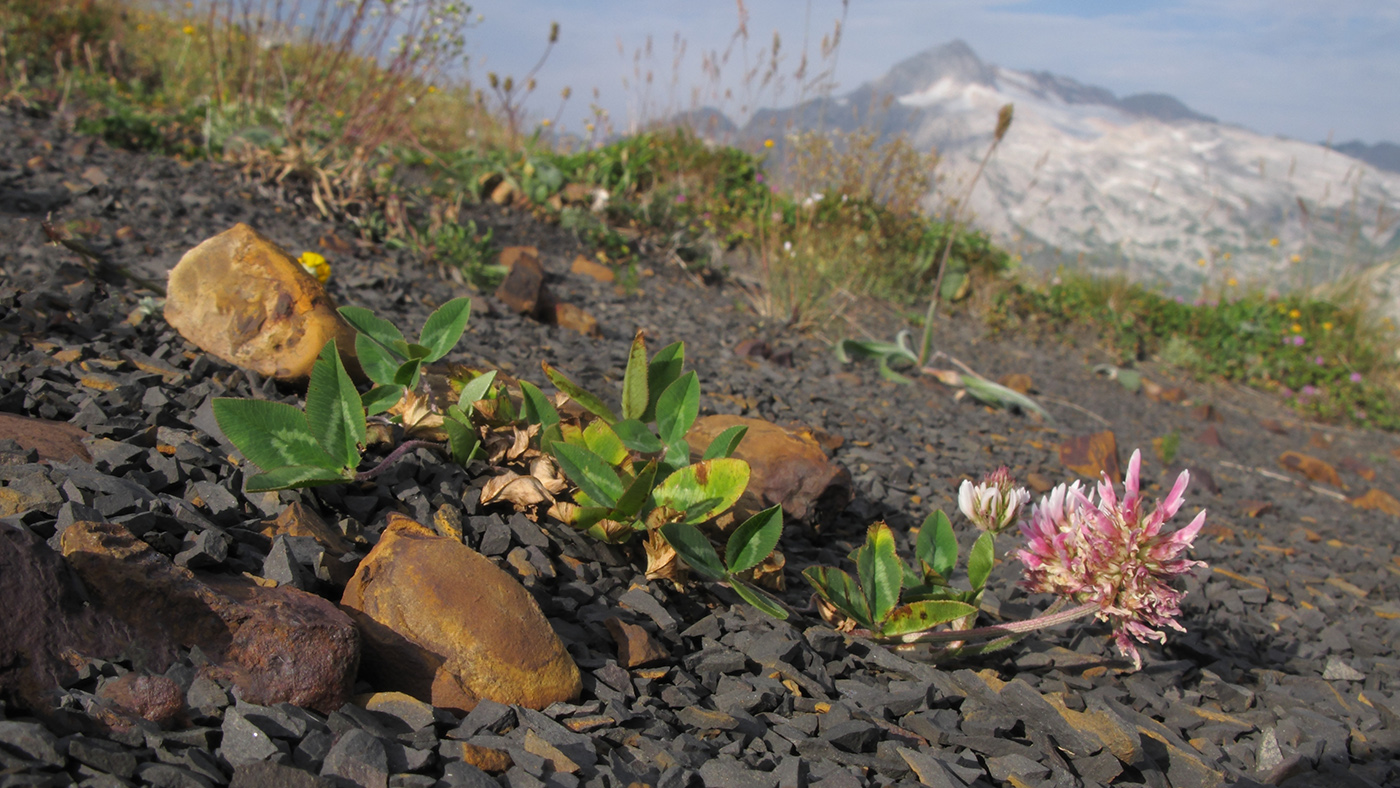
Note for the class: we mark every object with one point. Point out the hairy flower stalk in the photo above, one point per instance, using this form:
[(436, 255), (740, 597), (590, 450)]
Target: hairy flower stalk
[(994, 503), (1111, 555)]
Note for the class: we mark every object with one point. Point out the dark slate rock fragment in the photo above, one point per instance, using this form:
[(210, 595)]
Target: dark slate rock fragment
[(310, 753), (282, 566), (1037, 714), (265, 774), (459, 774), (102, 755), (725, 772), (358, 758), (853, 735), (164, 775), (496, 538), (206, 549), (245, 742), (526, 532), (32, 741), (488, 716)]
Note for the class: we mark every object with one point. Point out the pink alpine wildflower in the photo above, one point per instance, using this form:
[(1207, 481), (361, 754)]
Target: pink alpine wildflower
[(1111, 554)]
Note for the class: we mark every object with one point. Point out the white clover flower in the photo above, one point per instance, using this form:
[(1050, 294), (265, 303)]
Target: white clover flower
[(994, 503)]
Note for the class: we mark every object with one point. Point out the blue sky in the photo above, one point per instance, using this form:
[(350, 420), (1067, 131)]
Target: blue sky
[(1305, 69)]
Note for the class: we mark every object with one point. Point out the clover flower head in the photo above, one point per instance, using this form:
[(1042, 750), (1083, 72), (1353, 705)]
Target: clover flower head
[(1112, 553), (994, 503)]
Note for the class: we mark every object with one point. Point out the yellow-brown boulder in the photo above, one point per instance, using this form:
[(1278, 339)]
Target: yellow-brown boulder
[(443, 624), (241, 297)]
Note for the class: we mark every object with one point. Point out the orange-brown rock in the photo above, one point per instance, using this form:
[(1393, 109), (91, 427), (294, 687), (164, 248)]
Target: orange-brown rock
[(635, 646), (241, 297), (445, 625), (787, 466), (1092, 455), (576, 318), (276, 644), (1311, 467), (523, 289), (590, 268), (1377, 499), (56, 441), (154, 698)]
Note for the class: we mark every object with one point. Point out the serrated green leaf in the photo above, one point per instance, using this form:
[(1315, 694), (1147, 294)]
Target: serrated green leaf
[(838, 588), (663, 370), (333, 408), (444, 327), (602, 441), (979, 561), (634, 380), (476, 389), (536, 407), (878, 566), (724, 444), (379, 364), (376, 329), (921, 616), (271, 434), (759, 599), (694, 549), (462, 440), (677, 456), (638, 492), (638, 437), (381, 398), (715, 483), (407, 373), (754, 540), (290, 476), (549, 436), (585, 400), (590, 472), (678, 407)]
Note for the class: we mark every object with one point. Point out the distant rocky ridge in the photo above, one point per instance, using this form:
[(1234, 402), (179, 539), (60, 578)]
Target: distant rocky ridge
[(1382, 155), (1141, 185)]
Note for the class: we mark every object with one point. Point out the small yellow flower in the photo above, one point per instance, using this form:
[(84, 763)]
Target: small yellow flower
[(340, 113), (432, 88), (1232, 282), (1297, 329), (1327, 326), (1295, 314), (1225, 256), (1273, 242), (1297, 258), (589, 127), (1201, 262), (315, 265), (188, 30), (768, 143), (544, 122)]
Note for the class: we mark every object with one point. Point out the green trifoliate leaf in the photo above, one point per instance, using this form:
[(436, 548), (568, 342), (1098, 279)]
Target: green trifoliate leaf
[(724, 444), (704, 489), (677, 408), (381, 398), (759, 599), (880, 575), (694, 549), (585, 400), (937, 546), (638, 492), (637, 436), (377, 329), (443, 328), (271, 434), (379, 364), (663, 370), (478, 388), (590, 472), (462, 440), (333, 408), (536, 407), (677, 456), (634, 380), (602, 441), (837, 587), (920, 616), (979, 562), (291, 476), (754, 540), (407, 373)]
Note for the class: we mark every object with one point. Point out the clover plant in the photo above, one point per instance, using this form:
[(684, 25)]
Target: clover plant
[(632, 477)]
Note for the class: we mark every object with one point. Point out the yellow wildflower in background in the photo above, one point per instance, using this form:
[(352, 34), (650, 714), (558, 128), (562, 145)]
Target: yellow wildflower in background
[(1295, 314), (188, 30), (1297, 258), (768, 143), (315, 265), (1201, 262), (1232, 282), (1327, 326), (1273, 242), (1297, 329)]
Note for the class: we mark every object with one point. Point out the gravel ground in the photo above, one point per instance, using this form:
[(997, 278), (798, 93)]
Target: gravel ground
[(1287, 673)]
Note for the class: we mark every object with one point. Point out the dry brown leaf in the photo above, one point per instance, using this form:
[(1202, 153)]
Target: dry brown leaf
[(769, 572), (947, 377), (662, 561), (565, 512), (523, 492), (544, 469)]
